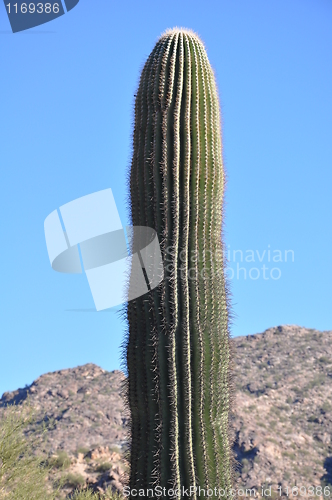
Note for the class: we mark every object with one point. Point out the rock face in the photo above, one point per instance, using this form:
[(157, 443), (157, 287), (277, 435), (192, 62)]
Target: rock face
[(282, 420), (283, 411), (84, 403), (85, 415)]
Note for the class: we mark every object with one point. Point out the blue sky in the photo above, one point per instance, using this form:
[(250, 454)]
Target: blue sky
[(67, 94)]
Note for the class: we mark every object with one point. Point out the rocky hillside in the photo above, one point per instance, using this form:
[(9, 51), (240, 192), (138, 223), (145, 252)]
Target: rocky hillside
[(282, 419)]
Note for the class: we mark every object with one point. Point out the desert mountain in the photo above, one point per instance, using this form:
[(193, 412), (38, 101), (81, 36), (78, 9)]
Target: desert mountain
[(282, 419)]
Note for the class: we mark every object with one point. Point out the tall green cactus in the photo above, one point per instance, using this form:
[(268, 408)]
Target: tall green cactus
[(178, 349)]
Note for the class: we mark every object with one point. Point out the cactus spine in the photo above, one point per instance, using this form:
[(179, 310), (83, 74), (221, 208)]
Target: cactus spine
[(178, 348)]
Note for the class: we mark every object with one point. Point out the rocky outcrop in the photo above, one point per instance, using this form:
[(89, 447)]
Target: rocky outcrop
[(283, 417)]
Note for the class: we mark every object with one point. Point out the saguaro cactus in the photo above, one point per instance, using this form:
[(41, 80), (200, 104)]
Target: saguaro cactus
[(178, 348)]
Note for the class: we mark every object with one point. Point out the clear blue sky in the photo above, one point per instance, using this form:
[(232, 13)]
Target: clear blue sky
[(66, 112)]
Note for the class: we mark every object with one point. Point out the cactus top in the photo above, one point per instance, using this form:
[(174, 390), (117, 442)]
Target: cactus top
[(185, 31)]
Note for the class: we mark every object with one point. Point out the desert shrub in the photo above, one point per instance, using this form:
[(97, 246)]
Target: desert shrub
[(317, 381), (88, 494), (114, 448), (23, 473), (85, 495), (325, 483), (272, 440), (111, 495), (326, 407), (306, 471), (61, 461), (274, 495), (324, 359), (104, 467), (272, 424), (294, 419), (74, 480), (289, 454)]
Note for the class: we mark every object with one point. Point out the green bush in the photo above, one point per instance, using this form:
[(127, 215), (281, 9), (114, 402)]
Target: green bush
[(111, 495), (23, 474), (74, 480), (324, 359), (61, 461), (85, 495), (104, 467), (88, 494), (318, 381), (272, 440), (289, 454), (273, 424), (326, 407)]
